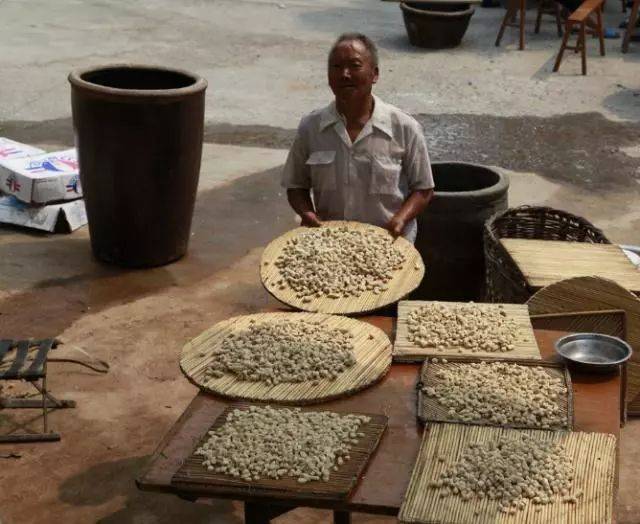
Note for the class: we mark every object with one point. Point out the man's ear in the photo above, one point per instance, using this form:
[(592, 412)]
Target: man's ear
[(376, 73)]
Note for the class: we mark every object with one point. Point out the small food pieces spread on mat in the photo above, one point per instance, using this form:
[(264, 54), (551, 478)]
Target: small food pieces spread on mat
[(285, 351), (500, 392), (462, 325), (263, 442), (511, 471), (338, 262)]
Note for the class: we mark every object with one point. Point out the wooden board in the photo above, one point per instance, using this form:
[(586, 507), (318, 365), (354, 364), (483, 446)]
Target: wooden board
[(597, 294), (406, 351), (403, 282), (593, 458), (372, 350), (610, 322), (545, 262), (192, 475), (430, 410)]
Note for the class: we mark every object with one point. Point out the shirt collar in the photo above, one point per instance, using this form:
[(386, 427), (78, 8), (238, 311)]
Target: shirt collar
[(329, 116), (381, 117)]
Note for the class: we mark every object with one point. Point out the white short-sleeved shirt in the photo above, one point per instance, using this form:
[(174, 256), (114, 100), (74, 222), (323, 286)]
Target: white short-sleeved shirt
[(367, 180)]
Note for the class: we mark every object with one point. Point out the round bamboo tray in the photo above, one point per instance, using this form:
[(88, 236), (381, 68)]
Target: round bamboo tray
[(404, 281), (372, 350)]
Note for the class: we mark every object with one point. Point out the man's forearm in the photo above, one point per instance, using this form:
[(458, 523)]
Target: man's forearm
[(415, 204), (412, 207), (300, 201)]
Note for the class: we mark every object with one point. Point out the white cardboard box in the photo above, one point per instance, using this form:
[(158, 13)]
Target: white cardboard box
[(43, 178), (61, 218), (10, 149)]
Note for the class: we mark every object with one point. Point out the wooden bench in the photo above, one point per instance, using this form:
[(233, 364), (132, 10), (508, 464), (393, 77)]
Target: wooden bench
[(519, 8), (578, 19)]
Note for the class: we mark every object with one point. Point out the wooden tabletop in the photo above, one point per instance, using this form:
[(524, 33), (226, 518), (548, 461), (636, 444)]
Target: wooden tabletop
[(381, 489)]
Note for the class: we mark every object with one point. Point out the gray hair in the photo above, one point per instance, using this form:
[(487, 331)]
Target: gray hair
[(363, 39)]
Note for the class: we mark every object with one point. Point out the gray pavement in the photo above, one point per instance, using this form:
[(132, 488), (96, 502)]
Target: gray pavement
[(264, 58)]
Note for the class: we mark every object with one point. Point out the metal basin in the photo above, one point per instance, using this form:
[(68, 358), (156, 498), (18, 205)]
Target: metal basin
[(593, 352)]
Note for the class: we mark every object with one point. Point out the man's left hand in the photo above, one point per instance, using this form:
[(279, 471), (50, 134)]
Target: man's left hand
[(396, 226)]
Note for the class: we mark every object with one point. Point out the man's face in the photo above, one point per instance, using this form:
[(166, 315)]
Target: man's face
[(351, 71)]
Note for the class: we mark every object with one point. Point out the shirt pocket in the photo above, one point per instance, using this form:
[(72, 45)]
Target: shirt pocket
[(322, 165), (385, 176)]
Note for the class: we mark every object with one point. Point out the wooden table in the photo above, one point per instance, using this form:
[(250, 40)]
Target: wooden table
[(381, 489)]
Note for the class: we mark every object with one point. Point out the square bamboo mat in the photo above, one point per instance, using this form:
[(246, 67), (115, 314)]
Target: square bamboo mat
[(594, 456), (545, 262), (526, 346), (430, 410), (193, 476)]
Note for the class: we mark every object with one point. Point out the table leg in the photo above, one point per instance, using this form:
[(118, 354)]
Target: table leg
[(583, 48), (631, 26), (341, 517), (600, 30), (512, 8), (565, 39), (523, 11), (255, 513)]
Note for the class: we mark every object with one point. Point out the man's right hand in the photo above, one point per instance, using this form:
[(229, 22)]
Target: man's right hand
[(310, 219)]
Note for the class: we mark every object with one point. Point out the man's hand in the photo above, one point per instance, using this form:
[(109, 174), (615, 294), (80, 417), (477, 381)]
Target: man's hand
[(396, 226), (412, 207), (310, 219)]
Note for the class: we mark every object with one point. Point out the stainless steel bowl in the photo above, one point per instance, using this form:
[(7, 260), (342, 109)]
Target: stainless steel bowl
[(593, 352)]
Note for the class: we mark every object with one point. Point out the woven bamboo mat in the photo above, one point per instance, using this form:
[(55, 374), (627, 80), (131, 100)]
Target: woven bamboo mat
[(192, 475), (372, 349), (597, 294), (526, 347), (593, 458), (403, 283), (430, 410), (545, 262)]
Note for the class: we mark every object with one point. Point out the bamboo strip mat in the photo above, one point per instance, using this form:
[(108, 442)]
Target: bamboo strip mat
[(193, 476), (430, 410), (594, 456), (403, 283), (597, 294), (372, 349), (526, 346), (545, 262)]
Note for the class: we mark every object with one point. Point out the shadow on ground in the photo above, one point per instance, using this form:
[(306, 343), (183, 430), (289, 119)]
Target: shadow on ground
[(106, 481), (76, 283)]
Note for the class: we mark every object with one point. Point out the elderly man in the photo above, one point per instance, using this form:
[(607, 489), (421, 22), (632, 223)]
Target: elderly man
[(364, 160)]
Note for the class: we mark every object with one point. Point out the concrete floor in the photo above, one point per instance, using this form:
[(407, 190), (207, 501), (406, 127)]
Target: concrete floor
[(568, 141)]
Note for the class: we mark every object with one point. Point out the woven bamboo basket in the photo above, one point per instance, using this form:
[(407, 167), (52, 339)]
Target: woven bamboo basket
[(505, 281)]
